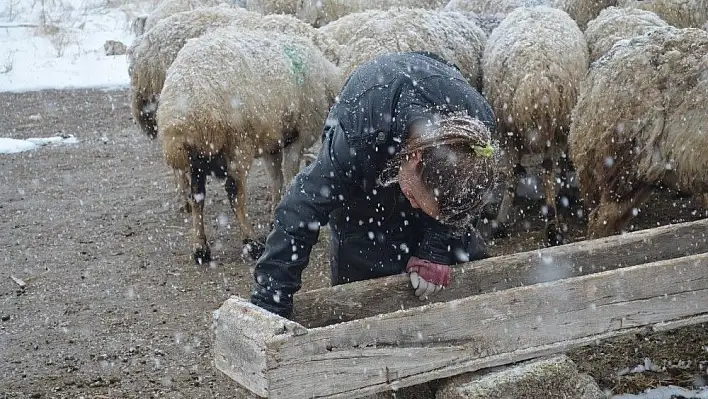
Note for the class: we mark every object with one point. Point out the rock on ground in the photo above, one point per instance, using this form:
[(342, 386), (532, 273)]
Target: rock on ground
[(421, 391), (114, 47), (549, 378)]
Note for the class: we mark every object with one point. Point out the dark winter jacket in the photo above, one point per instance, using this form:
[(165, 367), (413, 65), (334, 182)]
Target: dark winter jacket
[(364, 130)]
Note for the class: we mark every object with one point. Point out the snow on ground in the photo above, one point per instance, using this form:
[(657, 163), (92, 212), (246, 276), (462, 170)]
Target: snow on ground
[(669, 392), (11, 146), (57, 44)]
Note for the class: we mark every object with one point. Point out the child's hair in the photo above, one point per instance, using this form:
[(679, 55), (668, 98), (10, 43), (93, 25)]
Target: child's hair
[(459, 164)]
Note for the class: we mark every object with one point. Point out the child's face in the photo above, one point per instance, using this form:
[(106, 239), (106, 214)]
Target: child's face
[(414, 189)]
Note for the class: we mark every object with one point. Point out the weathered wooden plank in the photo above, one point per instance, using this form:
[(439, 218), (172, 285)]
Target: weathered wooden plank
[(413, 346), (241, 330), (482, 363), (689, 321), (368, 298)]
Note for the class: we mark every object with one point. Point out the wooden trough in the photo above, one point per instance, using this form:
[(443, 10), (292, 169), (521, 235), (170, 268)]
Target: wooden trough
[(362, 338)]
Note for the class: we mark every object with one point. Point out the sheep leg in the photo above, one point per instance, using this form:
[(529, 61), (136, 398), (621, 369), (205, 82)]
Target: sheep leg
[(512, 170), (183, 190), (704, 200), (554, 235), (201, 252), (612, 215), (236, 190), (273, 163), (566, 169)]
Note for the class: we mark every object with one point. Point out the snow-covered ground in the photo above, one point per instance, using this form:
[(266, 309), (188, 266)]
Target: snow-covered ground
[(55, 44), (669, 392)]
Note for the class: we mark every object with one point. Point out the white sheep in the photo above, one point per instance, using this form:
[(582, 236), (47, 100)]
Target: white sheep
[(291, 25), (493, 6), (641, 122), (137, 26), (165, 8), (450, 35), (617, 23), (344, 28), (233, 95), (265, 7), (319, 13), (152, 53), (582, 11), (680, 13), (487, 22), (532, 66)]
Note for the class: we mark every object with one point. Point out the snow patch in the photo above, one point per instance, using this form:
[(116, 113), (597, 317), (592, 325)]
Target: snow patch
[(12, 146), (669, 392), (58, 44)]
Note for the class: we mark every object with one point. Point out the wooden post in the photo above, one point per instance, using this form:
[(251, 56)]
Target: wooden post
[(280, 359), (242, 329)]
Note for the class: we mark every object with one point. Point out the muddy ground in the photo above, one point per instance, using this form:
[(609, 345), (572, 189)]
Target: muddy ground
[(114, 306)]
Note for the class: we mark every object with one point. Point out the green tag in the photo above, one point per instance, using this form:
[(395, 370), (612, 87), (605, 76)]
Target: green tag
[(297, 65)]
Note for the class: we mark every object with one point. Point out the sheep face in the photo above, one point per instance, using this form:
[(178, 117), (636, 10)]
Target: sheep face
[(310, 11)]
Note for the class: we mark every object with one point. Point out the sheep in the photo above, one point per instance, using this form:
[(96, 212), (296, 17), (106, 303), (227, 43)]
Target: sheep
[(492, 6), (233, 95), (265, 7), (641, 122), (679, 13), (152, 53), (137, 26), (291, 25), (487, 22), (582, 11), (617, 23), (344, 28), (448, 34), (532, 66), (319, 13), (165, 8)]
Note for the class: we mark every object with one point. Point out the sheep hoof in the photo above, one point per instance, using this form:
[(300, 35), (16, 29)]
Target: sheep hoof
[(202, 255), (554, 236), (254, 248), (499, 230)]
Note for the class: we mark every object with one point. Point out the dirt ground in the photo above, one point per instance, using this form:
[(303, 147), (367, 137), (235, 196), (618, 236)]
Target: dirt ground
[(114, 306)]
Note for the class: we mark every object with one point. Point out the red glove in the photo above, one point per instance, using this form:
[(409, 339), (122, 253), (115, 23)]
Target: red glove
[(427, 278)]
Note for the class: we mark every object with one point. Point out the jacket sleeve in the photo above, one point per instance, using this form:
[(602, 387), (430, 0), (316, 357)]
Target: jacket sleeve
[(446, 246), (314, 193)]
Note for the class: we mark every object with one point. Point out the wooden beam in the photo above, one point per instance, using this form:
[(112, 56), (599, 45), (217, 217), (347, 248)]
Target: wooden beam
[(439, 340), (368, 298)]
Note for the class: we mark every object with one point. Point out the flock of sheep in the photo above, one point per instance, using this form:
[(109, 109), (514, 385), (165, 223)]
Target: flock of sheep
[(616, 90)]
